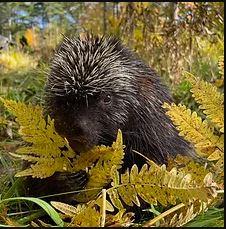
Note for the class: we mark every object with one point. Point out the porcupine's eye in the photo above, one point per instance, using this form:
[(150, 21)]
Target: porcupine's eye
[(107, 99)]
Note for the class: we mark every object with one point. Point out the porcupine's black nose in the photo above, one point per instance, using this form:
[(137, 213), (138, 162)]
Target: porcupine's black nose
[(81, 134)]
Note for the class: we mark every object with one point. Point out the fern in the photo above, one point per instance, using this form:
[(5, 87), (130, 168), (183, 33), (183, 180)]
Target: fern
[(187, 165), (210, 99), (157, 185), (153, 184), (48, 152), (198, 132), (184, 182), (100, 174), (48, 148), (204, 134), (89, 215), (86, 159), (83, 215), (184, 215)]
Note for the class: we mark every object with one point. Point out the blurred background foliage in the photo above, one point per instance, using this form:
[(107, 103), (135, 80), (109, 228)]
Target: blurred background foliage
[(171, 37)]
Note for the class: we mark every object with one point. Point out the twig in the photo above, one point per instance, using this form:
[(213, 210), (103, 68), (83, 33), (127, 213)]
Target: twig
[(157, 218), (103, 218)]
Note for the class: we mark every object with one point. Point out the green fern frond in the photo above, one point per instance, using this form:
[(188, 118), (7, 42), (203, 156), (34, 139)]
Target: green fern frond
[(210, 99)]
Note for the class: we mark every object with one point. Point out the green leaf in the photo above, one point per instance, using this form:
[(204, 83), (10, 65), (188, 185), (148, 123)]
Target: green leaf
[(44, 205)]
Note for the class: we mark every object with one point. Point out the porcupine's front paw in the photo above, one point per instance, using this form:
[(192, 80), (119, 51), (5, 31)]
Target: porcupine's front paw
[(60, 182), (67, 182)]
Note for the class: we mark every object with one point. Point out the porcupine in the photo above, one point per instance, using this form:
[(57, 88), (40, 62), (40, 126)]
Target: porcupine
[(96, 86)]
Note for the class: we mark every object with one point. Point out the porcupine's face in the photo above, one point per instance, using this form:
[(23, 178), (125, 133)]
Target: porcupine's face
[(89, 91)]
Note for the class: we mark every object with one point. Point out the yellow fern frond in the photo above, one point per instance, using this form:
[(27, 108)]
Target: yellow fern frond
[(48, 148), (121, 219), (83, 215), (210, 99), (193, 129), (184, 215), (50, 152), (44, 166), (67, 209), (100, 174), (88, 215), (221, 66), (34, 129), (188, 165), (154, 184), (86, 159)]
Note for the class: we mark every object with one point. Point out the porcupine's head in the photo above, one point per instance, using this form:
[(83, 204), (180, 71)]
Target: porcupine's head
[(91, 91)]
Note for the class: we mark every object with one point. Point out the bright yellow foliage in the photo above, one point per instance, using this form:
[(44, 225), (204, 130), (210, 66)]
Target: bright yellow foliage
[(188, 165), (49, 152), (206, 135), (155, 184), (210, 99), (100, 174), (193, 129), (88, 215), (16, 60), (184, 182), (48, 148), (32, 37)]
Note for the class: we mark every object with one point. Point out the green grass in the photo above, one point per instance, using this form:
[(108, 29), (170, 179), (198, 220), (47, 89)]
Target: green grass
[(214, 217)]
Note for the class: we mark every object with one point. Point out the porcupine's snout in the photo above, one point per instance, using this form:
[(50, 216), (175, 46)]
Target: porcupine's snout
[(81, 133)]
